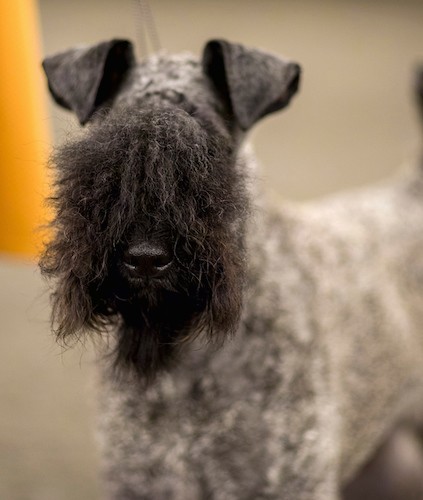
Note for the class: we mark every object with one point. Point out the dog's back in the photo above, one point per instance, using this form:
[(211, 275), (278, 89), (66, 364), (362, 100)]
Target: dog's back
[(369, 302)]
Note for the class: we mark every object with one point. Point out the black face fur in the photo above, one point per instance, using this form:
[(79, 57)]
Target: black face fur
[(162, 174)]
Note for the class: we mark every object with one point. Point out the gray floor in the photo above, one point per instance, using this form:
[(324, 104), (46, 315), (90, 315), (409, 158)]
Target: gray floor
[(47, 449)]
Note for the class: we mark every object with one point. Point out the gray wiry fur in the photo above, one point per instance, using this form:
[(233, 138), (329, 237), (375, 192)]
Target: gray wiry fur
[(324, 300)]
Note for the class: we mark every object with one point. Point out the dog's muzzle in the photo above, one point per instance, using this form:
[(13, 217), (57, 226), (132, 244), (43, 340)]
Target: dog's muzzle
[(147, 260)]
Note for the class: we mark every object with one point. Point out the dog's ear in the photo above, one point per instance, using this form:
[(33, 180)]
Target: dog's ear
[(253, 83), (83, 78)]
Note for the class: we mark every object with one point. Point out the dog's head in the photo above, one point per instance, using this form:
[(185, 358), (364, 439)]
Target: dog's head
[(151, 200)]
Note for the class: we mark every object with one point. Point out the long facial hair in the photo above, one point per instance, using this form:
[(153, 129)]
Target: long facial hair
[(148, 172)]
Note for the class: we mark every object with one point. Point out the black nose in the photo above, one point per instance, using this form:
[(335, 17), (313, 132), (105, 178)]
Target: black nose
[(147, 260)]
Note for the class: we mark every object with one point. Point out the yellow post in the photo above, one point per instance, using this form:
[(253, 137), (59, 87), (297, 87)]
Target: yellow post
[(24, 139)]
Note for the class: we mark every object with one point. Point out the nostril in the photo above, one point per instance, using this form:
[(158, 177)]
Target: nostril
[(147, 260)]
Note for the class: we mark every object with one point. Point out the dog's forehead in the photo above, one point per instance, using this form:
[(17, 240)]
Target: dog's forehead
[(165, 76)]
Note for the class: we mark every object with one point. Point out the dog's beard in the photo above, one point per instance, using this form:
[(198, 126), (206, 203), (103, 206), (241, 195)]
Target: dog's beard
[(156, 324), (152, 322), (133, 168)]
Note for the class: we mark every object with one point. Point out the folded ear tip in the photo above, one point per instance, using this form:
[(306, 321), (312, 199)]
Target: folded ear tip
[(211, 49), (214, 42), (121, 45), (294, 76), (296, 79), (47, 64), (297, 68)]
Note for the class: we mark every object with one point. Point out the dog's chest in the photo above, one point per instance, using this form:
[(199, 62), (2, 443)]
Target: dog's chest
[(229, 417)]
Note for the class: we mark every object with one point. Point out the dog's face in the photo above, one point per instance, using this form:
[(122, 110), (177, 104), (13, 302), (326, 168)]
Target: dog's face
[(149, 230), (150, 201)]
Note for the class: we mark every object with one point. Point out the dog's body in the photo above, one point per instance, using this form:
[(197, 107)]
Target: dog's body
[(323, 302)]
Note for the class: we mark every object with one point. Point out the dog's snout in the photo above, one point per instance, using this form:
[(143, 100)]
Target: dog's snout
[(147, 260)]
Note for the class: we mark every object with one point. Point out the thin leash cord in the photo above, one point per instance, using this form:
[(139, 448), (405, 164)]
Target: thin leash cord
[(151, 25), (146, 27), (140, 29)]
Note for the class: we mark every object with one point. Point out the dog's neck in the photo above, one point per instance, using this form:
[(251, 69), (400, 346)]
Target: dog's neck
[(264, 232)]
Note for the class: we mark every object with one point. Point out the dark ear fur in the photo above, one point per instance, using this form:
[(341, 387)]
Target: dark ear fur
[(254, 83), (83, 78)]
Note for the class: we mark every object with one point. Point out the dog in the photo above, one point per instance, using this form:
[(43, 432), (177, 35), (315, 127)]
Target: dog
[(251, 351)]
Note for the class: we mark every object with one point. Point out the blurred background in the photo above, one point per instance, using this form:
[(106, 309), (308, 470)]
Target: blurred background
[(354, 122)]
